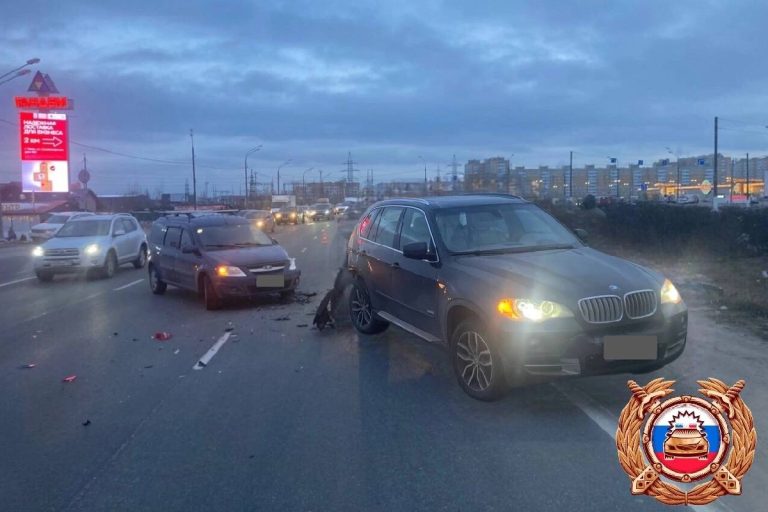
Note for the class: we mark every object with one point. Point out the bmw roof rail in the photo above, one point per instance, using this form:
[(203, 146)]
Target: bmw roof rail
[(493, 194)]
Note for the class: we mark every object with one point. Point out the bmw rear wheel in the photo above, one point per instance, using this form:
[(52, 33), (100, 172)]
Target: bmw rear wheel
[(361, 312), (476, 362)]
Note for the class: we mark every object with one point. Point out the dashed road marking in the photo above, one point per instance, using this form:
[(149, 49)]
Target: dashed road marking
[(203, 362), (17, 281), (304, 250), (128, 285)]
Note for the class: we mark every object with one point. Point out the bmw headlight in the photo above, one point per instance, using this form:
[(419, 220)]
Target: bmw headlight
[(669, 294), (38, 252), (532, 310), (292, 266), (92, 249), (228, 271)]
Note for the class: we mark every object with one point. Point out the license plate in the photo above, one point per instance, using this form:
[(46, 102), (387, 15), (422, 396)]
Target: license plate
[(630, 348), (61, 263), (271, 281)]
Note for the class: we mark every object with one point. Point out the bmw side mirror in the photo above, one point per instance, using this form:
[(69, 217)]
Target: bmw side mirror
[(582, 234), (417, 251)]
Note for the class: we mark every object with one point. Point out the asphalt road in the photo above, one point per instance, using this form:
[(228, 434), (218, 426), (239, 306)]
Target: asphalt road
[(288, 418)]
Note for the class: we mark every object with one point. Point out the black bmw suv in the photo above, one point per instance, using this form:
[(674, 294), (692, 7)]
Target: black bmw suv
[(512, 293), (218, 256)]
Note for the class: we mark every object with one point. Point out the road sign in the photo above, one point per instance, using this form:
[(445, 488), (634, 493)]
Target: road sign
[(44, 136), (84, 176), (706, 187)]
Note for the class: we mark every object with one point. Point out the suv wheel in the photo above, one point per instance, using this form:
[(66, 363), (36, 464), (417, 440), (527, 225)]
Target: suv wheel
[(361, 312), (44, 276), (210, 298), (110, 265), (476, 362), (141, 259), (157, 285)]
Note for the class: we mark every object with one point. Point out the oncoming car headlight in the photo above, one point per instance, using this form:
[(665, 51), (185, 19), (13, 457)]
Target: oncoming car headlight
[(38, 252), (227, 271), (92, 249), (532, 310), (260, 224), (669, 294)]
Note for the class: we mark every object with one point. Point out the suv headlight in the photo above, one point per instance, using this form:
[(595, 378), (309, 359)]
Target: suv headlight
[(37, 252), (227, 271), (669, 294), (92, 250), (532, 310)]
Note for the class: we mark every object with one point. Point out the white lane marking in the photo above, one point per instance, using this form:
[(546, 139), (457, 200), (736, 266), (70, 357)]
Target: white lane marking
[(203, 362), (608, 423), (304, 250), (128, 285), (9, 283)]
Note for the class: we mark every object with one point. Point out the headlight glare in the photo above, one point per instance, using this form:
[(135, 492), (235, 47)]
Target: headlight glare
[(38, 252), (92, 249), (669, 294), (532, 310)]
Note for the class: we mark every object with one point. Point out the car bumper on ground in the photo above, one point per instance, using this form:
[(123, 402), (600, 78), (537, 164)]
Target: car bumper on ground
[(567, 348), (254, 286)]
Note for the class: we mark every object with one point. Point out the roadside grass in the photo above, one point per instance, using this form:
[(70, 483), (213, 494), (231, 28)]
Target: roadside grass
[(733, 287)]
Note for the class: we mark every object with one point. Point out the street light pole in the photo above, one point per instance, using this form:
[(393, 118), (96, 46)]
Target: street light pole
[(17, 75), (304, 185), (194, 175), (426, 186), (570, 178), (278, 173), (30, 62), (245, 171)]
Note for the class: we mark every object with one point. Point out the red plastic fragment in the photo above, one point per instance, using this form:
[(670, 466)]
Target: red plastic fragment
[(162, 336)]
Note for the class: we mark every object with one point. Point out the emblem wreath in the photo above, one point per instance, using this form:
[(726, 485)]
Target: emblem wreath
[(727, 476)]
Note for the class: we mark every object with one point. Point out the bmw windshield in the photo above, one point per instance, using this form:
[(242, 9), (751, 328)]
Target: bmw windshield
[(84, 228), (501, 228), (232, 235)]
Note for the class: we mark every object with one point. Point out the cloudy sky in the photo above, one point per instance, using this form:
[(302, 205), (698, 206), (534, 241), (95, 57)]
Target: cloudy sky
[(388, 80)]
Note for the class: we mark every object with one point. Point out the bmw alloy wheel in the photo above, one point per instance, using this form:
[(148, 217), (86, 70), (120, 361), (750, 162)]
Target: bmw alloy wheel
[(475, 361)]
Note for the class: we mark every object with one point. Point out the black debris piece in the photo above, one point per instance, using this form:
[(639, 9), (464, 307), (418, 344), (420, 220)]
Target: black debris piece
[(324, 315), (229, 329), (114, 334), (281, 318), (149, 366), (301, 325), (86, 423)]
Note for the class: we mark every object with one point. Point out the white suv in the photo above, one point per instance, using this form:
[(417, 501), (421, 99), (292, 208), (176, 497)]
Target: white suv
[(45, 230), (96, 243)]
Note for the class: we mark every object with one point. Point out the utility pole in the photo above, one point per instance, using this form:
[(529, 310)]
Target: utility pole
[(714, 194), (455, 174), (678, 177), (194, 175), (570, 178), (747, 179)]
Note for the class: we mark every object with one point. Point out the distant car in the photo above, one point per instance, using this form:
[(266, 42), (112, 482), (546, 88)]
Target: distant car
[(218, 257), (47, 229), (512, 293), (688, 199), (92, 244), (261, 219), (320, 211), (288, 215), (348, 220)]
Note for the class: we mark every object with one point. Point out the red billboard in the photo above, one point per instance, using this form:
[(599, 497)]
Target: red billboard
[(44, 136)]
